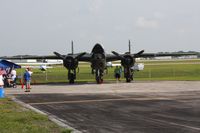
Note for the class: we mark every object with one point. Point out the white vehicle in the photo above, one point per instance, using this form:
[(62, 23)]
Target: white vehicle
[(41, 67), (110, 64), (138, 67)]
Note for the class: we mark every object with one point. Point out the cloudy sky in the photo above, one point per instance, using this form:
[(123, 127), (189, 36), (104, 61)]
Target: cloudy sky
[(43, 26)]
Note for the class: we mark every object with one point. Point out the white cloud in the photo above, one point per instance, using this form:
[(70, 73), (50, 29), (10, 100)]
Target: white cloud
[(147, 23)]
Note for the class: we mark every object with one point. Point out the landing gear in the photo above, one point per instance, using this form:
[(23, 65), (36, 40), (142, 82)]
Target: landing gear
[(99, 76), (128, 74), (71, 75)]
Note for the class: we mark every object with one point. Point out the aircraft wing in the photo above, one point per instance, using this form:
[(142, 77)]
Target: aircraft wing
[(110, 57), (146, 55), (116, 56), (86, 57), (29, 57)]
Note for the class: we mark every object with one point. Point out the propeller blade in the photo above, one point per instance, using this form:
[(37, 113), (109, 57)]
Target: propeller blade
[(72, 45), (117, 54), (59, 55), (129, 47), (139, 53)]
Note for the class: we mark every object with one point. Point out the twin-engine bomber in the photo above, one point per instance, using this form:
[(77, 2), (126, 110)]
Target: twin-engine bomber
[(98, 59)]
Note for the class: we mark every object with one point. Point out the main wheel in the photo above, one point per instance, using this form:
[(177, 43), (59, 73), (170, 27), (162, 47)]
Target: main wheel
[(128, 80), (99, 80), (98, 75), (71, 78), (127, 74)]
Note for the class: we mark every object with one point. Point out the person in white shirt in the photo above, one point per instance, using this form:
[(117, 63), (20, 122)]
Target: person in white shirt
[(2, 72), (29, 70), (13, 74), (1, 80)]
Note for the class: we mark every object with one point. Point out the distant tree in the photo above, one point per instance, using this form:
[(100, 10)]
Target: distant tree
[(192, 52), (180, 52)]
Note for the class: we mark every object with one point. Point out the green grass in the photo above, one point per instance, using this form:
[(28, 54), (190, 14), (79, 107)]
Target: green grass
[(170, 61), (16, 119), (154, 70), (170, 72)]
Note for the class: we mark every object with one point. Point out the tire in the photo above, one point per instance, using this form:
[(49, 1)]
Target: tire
[(71, 78), (128, 80)]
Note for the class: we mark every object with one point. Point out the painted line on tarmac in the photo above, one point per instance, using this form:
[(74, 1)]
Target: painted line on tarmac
[(100, 100)]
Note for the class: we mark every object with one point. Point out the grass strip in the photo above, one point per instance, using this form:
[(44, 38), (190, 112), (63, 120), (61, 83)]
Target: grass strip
[(17, 119)]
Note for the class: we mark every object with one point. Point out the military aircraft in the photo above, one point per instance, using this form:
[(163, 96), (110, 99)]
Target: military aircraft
[(98, 59)]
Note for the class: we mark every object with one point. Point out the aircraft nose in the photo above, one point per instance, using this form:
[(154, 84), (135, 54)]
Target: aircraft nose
[(98, 57)]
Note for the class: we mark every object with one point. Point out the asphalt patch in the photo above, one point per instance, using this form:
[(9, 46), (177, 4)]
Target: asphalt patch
[(130, 113)]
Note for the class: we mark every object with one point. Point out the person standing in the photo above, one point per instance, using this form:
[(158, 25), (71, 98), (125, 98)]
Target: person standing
[(1, 81), (27, 80), (13, 77), (117, 72), (1, 78), (120, 71), (29, 70)]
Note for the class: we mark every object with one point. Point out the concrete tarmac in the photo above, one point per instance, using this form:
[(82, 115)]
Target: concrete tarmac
[(141, 107)]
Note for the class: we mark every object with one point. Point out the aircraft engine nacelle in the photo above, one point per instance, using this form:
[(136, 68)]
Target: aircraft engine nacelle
[(70, 62), (128, 61)]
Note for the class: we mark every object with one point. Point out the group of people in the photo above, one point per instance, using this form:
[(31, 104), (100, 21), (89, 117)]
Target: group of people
[(8, 78)]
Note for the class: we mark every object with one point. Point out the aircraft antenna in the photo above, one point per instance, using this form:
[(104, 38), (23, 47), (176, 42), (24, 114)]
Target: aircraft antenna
[(72, 46)]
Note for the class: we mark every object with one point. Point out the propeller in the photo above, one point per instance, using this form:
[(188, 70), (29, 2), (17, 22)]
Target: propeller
[(134, 55), (70, 61), (126, 59)]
